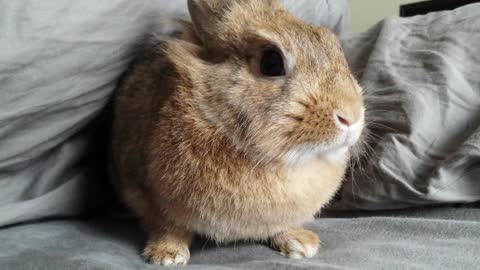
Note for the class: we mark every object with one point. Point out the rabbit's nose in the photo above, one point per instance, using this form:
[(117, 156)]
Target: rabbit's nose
[(346, 119), (342, 120)]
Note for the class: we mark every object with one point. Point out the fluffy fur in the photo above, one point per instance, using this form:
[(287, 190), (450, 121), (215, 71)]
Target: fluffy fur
[(204, 144)]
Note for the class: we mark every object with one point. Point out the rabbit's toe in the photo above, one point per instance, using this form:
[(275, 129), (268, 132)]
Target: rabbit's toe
[(167, 255), (297, 244)]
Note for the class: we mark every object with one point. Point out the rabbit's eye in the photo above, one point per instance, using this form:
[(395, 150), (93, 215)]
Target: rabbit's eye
[(271, 64)]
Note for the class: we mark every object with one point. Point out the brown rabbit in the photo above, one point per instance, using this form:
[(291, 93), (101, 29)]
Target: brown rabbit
[(239, 128)]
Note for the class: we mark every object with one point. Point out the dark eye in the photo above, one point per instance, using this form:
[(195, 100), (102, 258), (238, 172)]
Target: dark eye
[(271, 64)]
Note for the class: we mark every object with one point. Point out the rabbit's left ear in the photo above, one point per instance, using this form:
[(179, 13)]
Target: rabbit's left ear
[(208, 16)]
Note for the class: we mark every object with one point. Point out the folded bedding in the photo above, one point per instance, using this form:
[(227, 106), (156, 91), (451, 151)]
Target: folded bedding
[(422, 91), (60, 62)]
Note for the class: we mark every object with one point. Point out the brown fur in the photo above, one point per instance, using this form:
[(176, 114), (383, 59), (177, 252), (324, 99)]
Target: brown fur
[(200, 139)]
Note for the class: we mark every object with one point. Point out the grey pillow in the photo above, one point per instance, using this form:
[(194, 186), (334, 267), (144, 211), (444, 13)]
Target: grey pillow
[(59, 64), (328, 13), (421, 78)]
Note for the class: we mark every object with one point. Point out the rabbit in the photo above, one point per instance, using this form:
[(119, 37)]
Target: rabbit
[(238, 128)]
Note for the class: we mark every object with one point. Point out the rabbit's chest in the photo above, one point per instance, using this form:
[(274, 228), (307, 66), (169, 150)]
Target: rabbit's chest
[(277, 202)]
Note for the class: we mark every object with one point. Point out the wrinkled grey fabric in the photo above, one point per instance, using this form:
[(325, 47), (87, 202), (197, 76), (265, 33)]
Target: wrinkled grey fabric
[(59, 63), (332, 14), (421, 77), (434, 239), (422, 83)]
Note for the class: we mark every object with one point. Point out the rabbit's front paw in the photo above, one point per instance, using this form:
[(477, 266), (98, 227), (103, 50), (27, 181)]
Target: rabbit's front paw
[(168, 255), (297, 244)]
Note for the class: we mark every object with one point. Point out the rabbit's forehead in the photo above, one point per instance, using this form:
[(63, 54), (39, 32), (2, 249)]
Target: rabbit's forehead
[(307, 46), (318, 50)]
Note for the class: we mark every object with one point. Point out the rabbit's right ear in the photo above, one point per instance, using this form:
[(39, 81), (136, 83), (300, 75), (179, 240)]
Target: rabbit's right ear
[(206, 17)]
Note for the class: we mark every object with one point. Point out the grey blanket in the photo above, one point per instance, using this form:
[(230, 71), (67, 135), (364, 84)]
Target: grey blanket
[(59, 64), (421, 77), (422, 239), (422, 83)]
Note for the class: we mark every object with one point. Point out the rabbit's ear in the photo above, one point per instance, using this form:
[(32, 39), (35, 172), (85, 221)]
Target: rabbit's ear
[(208, 15)]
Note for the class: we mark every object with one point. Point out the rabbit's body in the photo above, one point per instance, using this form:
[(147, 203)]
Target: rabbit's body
[(224, 135), (218, 191)]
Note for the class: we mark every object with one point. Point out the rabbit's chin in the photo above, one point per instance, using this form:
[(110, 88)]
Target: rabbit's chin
[(307, 152)]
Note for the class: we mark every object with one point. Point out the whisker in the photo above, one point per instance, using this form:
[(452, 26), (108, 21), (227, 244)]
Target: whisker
[(379, 125)]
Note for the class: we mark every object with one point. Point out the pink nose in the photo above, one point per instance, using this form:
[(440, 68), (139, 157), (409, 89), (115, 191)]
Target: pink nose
[(343, 120)]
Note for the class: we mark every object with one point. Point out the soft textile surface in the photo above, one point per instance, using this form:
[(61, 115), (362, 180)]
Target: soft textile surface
[(430, 239), (422, 81), (59, 63)]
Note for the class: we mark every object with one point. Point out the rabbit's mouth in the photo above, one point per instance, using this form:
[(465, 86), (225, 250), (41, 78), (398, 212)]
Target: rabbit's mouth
[(334, 151), (348, 135)]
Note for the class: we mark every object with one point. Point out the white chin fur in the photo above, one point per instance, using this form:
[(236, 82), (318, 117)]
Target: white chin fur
[(305, 153), (337, 156), (336, 152)]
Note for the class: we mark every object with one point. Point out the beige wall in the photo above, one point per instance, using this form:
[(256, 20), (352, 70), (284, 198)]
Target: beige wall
[(365, 13)]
